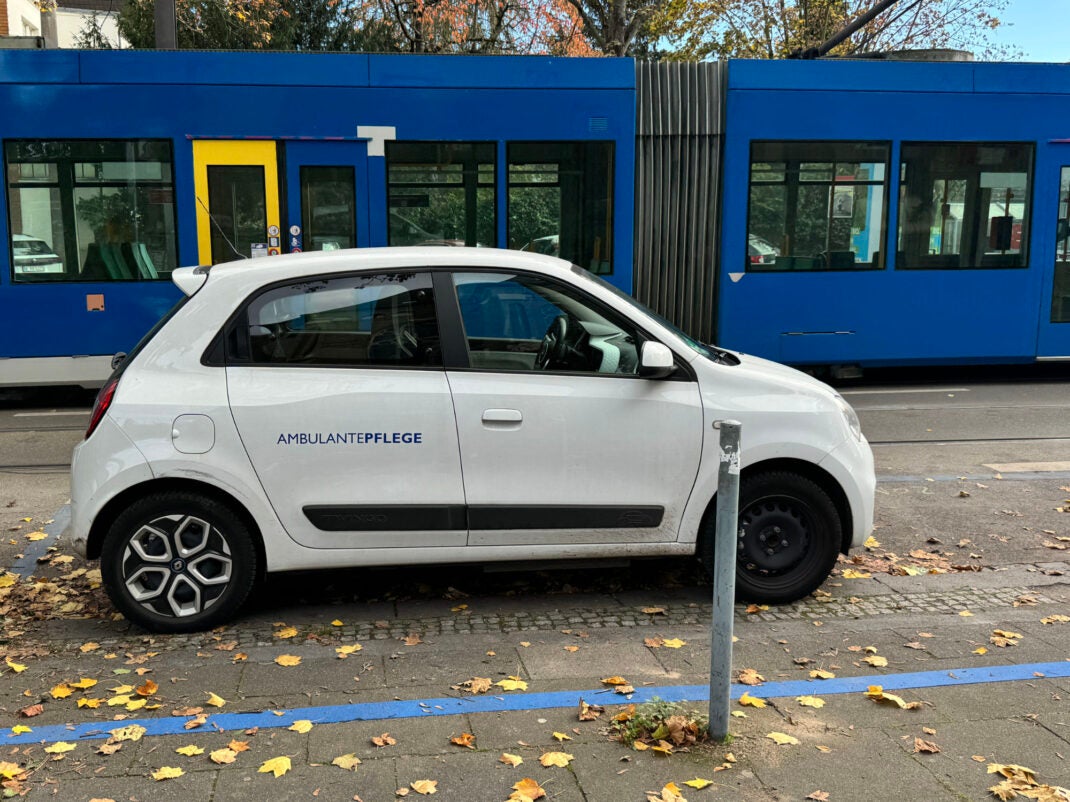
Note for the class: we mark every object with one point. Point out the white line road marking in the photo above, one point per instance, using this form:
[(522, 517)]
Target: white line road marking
[(906, 392), (53, 413), (1028, 467)]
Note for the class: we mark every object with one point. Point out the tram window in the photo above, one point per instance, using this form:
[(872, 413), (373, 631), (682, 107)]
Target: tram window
[(964, 205), (816, 205), (1060, 293), (328, 208), (561, 201), (441, 193), (84, 210)]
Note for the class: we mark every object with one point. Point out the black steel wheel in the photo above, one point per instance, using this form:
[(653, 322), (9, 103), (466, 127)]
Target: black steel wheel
[(178, 562), (788, 538)]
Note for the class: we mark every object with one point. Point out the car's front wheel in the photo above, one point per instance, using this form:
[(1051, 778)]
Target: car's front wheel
[(178, 562), (787, 541)]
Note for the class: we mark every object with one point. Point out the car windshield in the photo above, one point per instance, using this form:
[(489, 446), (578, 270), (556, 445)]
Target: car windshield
[(31, 247), (693, 344)]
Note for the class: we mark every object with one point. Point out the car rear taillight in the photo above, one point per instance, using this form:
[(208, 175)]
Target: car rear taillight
[(100, 406), (756, 259)]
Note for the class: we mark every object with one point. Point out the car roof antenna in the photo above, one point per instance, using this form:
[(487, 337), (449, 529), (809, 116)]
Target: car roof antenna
[(222, 233)]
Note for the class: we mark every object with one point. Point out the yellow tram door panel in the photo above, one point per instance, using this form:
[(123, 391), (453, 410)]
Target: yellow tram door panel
[(237, 186)]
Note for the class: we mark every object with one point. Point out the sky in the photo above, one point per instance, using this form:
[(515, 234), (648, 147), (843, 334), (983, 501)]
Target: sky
[(1039, 28)]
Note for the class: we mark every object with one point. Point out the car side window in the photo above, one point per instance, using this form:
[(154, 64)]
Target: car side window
[(518, 322), (380, 320)]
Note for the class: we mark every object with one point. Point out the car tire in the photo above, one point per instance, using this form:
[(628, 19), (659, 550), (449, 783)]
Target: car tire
[(801, 516), (178, 562)]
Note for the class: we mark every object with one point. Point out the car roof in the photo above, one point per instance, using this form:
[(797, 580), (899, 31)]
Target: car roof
[(267, 270)]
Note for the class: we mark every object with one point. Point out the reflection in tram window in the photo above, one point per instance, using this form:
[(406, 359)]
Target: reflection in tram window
[(1060, 294), (560, 201), (441, 193), (816, 205), (964, 205), (328, 208), (91, 210)]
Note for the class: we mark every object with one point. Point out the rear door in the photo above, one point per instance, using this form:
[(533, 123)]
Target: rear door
[(340, 398)]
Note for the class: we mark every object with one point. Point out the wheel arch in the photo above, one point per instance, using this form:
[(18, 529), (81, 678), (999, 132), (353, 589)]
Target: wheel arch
[(115, 506), (809, 470)]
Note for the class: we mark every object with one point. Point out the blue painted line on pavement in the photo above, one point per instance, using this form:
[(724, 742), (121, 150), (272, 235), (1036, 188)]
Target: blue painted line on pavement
[(449, 706), (27, 563)]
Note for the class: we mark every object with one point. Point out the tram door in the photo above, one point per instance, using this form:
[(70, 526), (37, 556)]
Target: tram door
[(237, 186), (323, 183), (1054, 340)]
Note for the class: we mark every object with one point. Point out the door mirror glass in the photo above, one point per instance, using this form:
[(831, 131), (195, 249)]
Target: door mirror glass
[(656, 361)]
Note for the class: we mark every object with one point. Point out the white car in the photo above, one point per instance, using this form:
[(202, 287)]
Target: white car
[(438, 405)]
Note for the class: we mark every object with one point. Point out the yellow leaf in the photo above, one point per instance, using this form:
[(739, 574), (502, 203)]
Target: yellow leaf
[(337, 623), (820, 673), (614, 681), (458, 608), (751, 701), (663, 748), (512, 684), (59, 748), (877, 694), (19, 729), (810, 701), (18, 668), (1003, 633), (851, 573), (35, 536), (239, 746), (980, 650), (277, 766), (511, 760), (572, 649), (135, 704), (465, 739), (302, 726), (84, 683), (739, 713), (876, 660), (527, 789), (348, 762), (148, 689), (133, 732), (673, 643), (825, 749), (749, 676), (1056, 619), (88, 647), (639, 746), (965, 613), (10, 771), (61, 691), (698, 782), (782, 738), (560, 759), (424, 787), (653, 610), (345, 650), (167, 773), (122, 689), (288, 660), (92, 704), (871, 543), (286, 632), (223, 756), (7, 579), (190, 751), (214, 700), (560, 736)]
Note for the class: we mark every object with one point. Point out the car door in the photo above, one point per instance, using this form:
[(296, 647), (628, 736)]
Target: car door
[(338, 392), (561, 441)]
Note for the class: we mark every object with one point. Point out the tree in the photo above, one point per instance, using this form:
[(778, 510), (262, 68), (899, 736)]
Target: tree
[(702, 29), (619, 27)]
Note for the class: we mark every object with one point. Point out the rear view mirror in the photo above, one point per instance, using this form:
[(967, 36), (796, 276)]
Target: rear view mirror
[(117, 360), (656, 361)]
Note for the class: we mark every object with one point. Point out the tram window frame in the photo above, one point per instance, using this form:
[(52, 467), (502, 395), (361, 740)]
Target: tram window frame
[(580, 238), (401, 153), (795, 164), (68, 160), (970, 253)]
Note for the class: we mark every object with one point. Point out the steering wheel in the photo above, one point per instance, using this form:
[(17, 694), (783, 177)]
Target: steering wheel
[(554, 343)]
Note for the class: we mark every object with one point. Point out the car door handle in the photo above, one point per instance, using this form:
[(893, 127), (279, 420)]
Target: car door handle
[(500, 416)]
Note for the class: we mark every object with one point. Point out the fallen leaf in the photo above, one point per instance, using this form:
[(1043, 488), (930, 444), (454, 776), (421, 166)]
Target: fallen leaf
[(673, 643), (190, 751), (345, 650), (756, 608), (18, 668), (288, 660), (510, 760), (92, 704), (965, 613), (286, 632), (213, 699), (1056, 619), (474, 685), (424, 787), (782, 739), (748, 676), (851, 573), (560, 759), (663, 748), (32, 710), (59, 748), (223, 756), (750, 701), (61, 691), (820, 673), (819, 796), (412, 639), (572, 649), (150, 687), (810, 701), (614, 681), (88, 647), (623, 689), (167, 773), (527, 789), (133, 732), (348, 762), (590, 712), (512, 684), (654, 610), (877, 694), (302, 726), (384, 740), (925, 747), (876, 660), (980, 650), (337, 623), (277, 766), (195, 722), (653, 643), (19, 729), (698, 783), (83, 684), (823, 749), (669, 793), (465, 739), (239, 746)]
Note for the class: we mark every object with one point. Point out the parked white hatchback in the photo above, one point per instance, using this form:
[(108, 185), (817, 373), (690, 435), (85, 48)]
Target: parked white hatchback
[(437, 405)]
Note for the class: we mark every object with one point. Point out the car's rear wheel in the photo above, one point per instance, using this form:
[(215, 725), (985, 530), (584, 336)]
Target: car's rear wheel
[(788, 538), (178, 562)]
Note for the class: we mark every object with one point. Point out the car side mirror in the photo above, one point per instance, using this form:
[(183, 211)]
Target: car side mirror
[(656, 361), (117, 360)]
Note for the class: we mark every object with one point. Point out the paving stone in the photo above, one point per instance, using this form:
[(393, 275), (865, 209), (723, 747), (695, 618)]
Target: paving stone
[(504, 731), (597, 659), (192, 786), (481, 776), (415, 736)]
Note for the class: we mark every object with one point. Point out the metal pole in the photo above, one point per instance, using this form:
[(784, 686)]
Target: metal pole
[(724, 577), (166, 38)]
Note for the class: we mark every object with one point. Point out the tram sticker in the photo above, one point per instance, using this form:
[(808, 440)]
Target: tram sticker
[(295, 249), (273, 242), (273, 251), (258, 249), (273, 231), (295, 230), (94, 302)]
